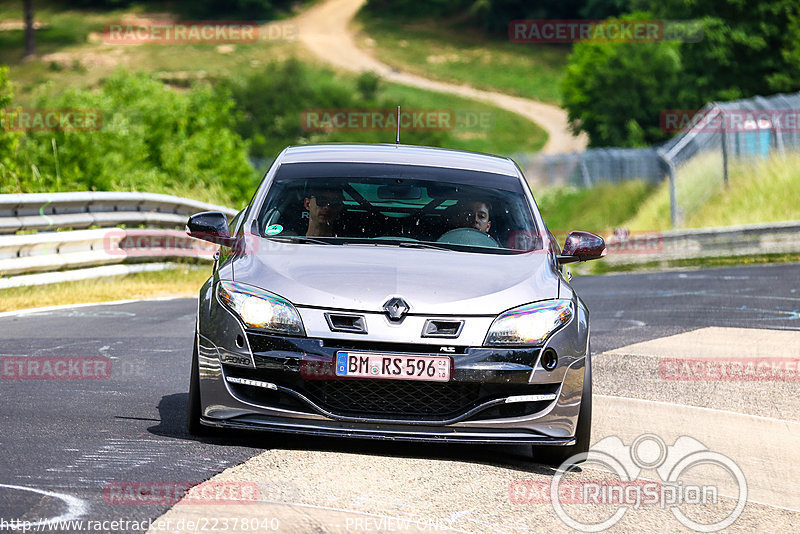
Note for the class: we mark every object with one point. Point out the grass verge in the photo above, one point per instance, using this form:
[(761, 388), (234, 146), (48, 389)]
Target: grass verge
[(498, 132), (178, 282), (465, 55), (599, 210), (758, 192)]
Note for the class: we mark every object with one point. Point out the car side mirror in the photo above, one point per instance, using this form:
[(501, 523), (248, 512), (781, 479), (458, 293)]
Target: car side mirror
[(582, 246), (210, 226)]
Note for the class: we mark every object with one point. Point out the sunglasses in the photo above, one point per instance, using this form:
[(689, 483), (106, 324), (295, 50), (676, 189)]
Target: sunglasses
[(329, 203)]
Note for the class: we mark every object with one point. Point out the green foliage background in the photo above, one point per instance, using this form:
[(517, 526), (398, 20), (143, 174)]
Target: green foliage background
[(616, 92), (270, 102), (152, 139)]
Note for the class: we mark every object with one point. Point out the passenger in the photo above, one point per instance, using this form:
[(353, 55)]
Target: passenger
[(324, 206), (473, 214)]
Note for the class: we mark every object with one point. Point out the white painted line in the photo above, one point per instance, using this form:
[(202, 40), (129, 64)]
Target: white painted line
[(719, 343), (28, 311), (676, 405), (75, 507)]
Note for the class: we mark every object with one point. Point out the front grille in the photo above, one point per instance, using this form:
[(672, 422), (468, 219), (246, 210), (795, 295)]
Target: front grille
[(400, 400), (393, 397)]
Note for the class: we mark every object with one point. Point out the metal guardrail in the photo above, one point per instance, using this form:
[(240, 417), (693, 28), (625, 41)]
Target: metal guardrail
[(46, 248), (51, 251), (52, 211), (731, 241)]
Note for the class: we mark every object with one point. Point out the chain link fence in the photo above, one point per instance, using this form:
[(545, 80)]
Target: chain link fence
[(593, 166), (696, 161)]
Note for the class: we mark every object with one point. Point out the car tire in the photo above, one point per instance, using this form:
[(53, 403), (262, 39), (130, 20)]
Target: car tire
[(194, 409), (556, 455)]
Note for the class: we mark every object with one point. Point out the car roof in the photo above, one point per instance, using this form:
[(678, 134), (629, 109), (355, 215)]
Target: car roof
[(399, 155)]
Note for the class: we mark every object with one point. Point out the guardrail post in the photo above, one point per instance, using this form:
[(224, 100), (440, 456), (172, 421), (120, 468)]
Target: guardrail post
[(673, 197), (724, 150), (673, 200)]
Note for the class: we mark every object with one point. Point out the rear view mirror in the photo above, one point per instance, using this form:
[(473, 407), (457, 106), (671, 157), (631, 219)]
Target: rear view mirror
[(582, 246), (209, 226), (399, 192)]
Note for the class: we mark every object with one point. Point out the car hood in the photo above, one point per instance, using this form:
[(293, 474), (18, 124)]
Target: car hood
[(364, 277)]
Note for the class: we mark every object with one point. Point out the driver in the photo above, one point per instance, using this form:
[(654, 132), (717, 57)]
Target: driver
[(324, 205), (473, 214)]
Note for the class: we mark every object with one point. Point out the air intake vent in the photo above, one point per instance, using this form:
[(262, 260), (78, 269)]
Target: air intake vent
[(442, 328), (342, 322)]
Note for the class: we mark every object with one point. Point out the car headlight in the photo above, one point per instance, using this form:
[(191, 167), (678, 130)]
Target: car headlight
[(260, 309), (530, 324)]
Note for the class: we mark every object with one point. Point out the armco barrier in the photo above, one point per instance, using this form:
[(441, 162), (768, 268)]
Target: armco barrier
[(49, 249), (52, 211), (731, 241)]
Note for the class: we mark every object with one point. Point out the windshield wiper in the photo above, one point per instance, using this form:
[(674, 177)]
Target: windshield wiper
[(418, 244), (298, 239)]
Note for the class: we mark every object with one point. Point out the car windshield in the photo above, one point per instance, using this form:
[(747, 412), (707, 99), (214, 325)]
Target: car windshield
[(399, 205)]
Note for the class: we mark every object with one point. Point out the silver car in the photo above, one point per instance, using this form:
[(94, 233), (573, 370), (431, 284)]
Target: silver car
[(393, 292)]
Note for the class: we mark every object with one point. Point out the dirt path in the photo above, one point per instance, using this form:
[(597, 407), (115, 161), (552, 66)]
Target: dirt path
[(324, 30)]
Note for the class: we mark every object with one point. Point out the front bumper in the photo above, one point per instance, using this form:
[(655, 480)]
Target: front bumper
[(501, 395), (265, 382)]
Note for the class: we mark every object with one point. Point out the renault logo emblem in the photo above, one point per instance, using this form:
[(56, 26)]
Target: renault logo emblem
[(396, 308)]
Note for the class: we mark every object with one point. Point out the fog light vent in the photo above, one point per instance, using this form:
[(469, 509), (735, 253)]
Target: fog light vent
[(549, 359), (442, 328), (342, 322)]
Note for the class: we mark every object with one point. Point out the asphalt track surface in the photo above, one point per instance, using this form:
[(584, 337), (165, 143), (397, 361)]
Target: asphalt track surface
[(64, 441)]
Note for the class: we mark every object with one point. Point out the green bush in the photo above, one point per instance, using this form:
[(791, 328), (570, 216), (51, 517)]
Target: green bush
[(152, 139), (616, 92), (9, 140), (270, 103)]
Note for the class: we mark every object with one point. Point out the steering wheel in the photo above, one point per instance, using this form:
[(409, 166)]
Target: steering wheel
[(468, 237)]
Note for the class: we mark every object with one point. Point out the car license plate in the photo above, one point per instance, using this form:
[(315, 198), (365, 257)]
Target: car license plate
[(393, 366)]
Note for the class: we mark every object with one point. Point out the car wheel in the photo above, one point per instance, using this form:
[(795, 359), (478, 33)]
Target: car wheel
[(554, 455), (194, 409)]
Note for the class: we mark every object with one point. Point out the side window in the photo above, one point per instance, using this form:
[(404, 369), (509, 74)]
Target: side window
[(233, 226)]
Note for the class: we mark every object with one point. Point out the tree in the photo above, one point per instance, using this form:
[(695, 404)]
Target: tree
[(30, 39), (748, 48), (616, 92)]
